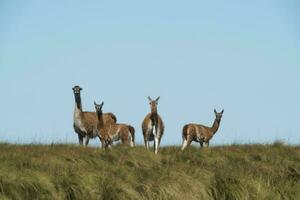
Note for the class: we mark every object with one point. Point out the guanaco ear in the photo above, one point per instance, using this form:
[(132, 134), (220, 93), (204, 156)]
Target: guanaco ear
[(157, 99), (149, 98), (215, 111)]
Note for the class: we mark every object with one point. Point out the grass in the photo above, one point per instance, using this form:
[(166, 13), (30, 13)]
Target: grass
[(225, 172)]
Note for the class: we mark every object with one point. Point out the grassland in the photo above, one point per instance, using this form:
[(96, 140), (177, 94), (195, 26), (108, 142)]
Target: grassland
[(72, 172)]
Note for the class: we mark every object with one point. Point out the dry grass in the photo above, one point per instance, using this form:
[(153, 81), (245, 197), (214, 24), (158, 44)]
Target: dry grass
[(72, 172)]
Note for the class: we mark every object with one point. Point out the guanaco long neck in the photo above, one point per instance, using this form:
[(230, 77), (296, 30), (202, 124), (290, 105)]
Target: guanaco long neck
[(78, 101), (215, 125), (154, 117), (100, 119)]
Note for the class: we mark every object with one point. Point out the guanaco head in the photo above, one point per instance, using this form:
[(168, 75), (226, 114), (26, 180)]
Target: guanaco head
[(98, 107), (153, 104), (218, 115), (76, 91)]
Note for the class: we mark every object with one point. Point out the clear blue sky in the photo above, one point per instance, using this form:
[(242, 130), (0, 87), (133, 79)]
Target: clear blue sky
[(243, 57)]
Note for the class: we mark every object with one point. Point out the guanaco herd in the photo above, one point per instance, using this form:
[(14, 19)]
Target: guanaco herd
[(89, 125)]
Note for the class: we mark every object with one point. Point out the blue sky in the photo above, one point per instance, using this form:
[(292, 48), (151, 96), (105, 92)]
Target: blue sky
[(196, 55)]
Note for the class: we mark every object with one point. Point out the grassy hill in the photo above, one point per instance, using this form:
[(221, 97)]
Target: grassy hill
[(72, 172)]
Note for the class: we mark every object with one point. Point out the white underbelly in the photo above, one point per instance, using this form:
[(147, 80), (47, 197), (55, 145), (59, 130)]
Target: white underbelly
[(115, 137), (199, 138), (153, 130)]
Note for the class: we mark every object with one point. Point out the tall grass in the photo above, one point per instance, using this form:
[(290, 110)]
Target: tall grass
[(72, 172)]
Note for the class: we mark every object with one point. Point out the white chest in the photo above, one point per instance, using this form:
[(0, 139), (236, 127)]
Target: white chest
[(78, 120)]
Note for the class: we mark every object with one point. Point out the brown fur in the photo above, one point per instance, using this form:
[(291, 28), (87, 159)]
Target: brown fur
[(156, 124), (114, 132), (200, 133), (108, 133), (88, 119), (146, 122)]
